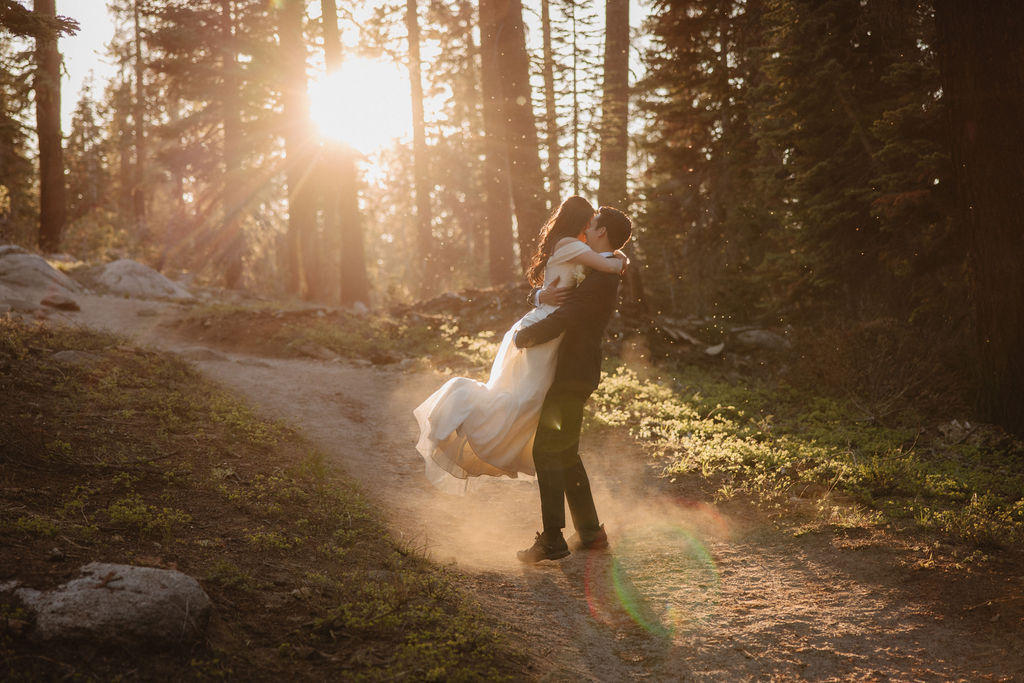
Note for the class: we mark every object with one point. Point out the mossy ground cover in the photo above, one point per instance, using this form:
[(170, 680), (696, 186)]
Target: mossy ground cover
[(127, 455)]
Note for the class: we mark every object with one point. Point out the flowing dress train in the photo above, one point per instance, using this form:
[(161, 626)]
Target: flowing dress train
[(470, 428)]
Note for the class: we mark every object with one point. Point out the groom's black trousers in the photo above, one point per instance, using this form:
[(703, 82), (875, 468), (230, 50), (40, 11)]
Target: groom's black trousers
[(560, 473)]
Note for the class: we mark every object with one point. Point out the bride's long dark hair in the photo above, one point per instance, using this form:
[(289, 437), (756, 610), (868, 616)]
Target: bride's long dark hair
[(568, 220)]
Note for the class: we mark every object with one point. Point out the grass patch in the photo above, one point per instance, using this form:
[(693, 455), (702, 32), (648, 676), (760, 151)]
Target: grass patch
[(778, 443), (123, 455)]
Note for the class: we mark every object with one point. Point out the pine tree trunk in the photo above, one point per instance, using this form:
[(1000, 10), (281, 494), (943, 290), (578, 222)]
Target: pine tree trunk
[(983, 80), (355, 285), (139, 121), (495, 171), (615, 106), (332, 39), (550, 111), (525, 175), (298, 146), (612, 190), (174, 232), (124, 151), (340, 189), (234, 191), (421, 179), (575, 100), (327, 172), (52, 209)]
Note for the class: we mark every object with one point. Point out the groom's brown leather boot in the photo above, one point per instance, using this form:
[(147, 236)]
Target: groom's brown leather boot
[(545, 547)]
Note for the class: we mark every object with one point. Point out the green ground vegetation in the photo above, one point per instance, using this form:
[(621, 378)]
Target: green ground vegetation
[(780, 443), (852, 446), (125, 455)]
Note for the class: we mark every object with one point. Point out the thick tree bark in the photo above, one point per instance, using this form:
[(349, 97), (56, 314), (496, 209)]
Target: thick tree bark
[(174, 230), (575, 101), (341, 195), (525, 175), (232, 240), (983, 81), (139, 122), (124, 149), (52, 210), (327, 169), (495, 172), (298, 146), (612, 190), (615, 106), (332, 39), (550, 112), (421, 178), (355, 285)]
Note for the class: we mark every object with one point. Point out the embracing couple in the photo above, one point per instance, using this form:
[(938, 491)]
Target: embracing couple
[(527, 417)]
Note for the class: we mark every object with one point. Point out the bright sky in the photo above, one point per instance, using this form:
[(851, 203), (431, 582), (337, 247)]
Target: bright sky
[(84, 52)]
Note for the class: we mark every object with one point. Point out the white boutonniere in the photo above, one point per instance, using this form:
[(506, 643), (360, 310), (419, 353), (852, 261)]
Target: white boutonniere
[(579, 274)]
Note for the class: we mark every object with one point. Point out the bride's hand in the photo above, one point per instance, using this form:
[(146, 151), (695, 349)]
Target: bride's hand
[(621, 255)]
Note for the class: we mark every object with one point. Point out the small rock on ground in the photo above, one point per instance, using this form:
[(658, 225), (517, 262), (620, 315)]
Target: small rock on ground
[(116, 603)]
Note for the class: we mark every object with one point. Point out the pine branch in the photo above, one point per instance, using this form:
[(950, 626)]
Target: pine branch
[(20, 21)]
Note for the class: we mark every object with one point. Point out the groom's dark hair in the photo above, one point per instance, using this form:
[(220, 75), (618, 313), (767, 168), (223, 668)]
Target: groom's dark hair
[(619, 227)]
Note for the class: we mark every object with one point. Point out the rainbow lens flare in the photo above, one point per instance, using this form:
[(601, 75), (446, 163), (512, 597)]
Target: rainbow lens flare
[(660, 575)]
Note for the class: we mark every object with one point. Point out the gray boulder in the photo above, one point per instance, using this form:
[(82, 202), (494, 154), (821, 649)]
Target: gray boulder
[(6, 249), (24, 272), (20, 305), (133, 279), (121, 604)]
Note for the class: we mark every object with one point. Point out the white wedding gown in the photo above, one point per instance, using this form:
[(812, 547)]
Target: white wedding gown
[(468, 428)]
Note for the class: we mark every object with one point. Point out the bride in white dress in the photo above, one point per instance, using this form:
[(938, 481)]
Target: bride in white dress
[(469, 428)]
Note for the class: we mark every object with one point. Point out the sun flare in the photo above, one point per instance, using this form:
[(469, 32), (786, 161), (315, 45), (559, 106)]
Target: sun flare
[(365, 104)]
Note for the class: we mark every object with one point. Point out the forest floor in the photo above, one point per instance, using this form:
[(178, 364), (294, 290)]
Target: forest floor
[(689, 590)]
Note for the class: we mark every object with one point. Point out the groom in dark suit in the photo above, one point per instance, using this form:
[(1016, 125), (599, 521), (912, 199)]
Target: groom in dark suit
[(560, 473)]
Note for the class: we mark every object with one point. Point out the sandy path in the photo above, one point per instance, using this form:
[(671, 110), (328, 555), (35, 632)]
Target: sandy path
[(688, 591)]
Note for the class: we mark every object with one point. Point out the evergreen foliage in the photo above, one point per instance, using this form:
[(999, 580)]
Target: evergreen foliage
[(86, 158), (201, 88), (799, 164), (18, 199)]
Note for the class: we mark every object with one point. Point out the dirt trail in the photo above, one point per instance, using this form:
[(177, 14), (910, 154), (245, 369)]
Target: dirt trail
[(688, 592)]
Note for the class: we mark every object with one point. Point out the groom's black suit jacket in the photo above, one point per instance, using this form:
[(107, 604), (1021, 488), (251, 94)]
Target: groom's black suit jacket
[(583, 318)]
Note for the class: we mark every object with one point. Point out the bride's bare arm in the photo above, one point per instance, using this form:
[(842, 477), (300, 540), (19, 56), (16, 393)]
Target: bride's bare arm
[(619, 254), (591, 259)]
